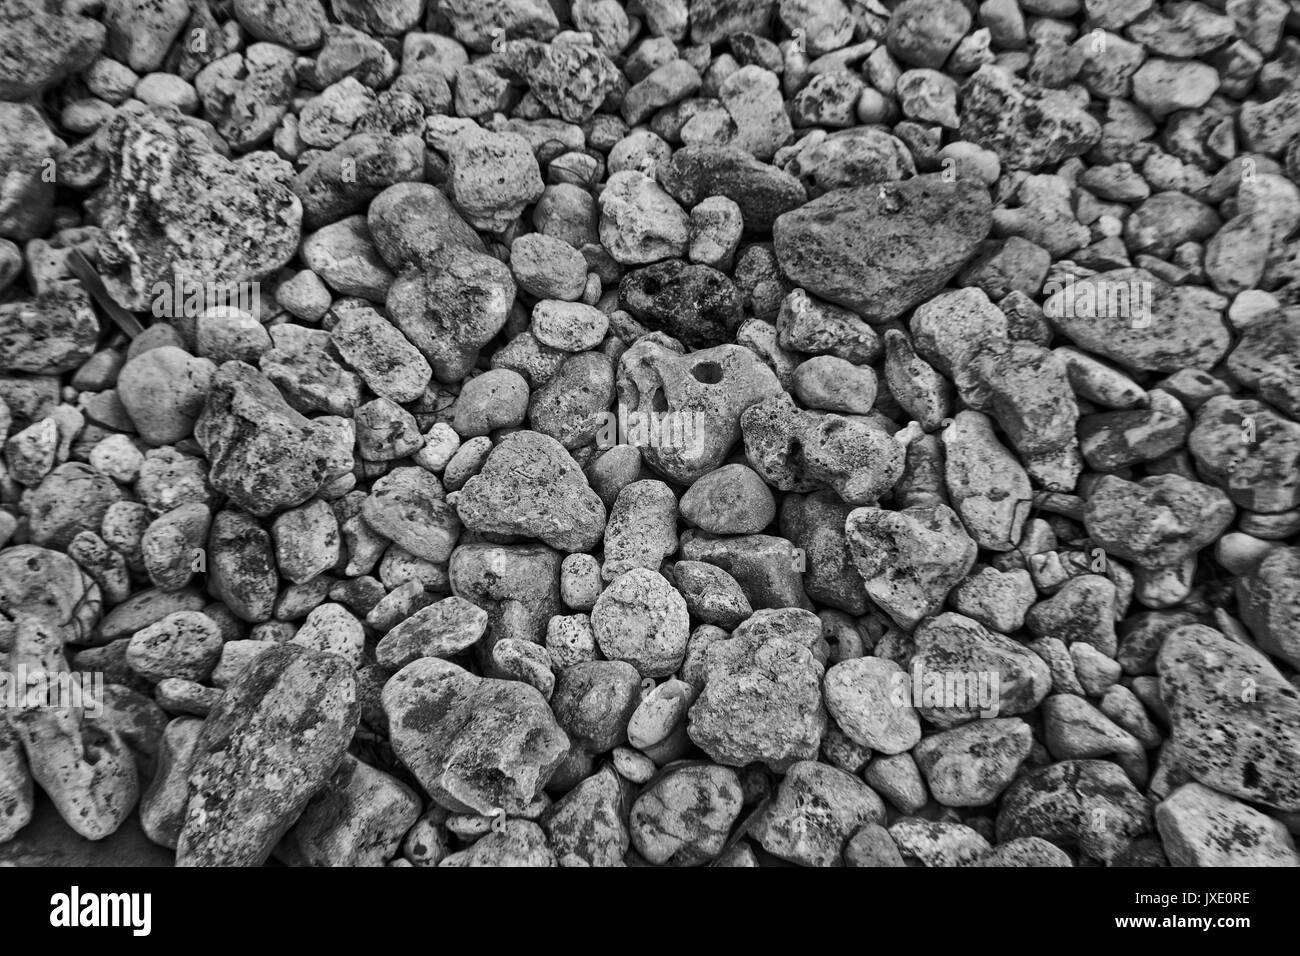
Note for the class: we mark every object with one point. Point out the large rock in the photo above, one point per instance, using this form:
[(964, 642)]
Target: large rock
[(42, 42), (174, 207), (962, 671), (761, 191), (1201, 827), (27, 147), (531, 487), (1234, 719), (267, 747), (264, 455), (910, 559), (1025, 125), (762, 701), (882, 249), (477, 745), (1085, 803), (1137, 320)]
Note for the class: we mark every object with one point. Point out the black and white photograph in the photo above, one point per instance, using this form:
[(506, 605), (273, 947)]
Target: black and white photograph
[(650, 434)]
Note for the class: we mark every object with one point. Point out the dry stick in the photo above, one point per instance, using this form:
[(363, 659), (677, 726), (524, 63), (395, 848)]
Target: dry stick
[(84, 271)]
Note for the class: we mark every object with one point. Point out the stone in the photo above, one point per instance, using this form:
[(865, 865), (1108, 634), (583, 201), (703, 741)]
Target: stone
[(475, 744), (215, 221), (848, 245), (263, 454), (685, 817), (761, 702), (1201, 827), (1231, 717), (303, 701)]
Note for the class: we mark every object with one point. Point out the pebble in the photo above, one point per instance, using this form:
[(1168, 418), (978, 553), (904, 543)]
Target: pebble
[(685, 817)]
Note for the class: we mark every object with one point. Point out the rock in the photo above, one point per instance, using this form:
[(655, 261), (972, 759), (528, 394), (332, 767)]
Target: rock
[(1137, 320), (264, 455), (358, 820), (529, 486), (925, 32), (698, 305), (642, 528), (862, 694), (452, 307), (1024, 851), (475, 744), (856, 247), (816, 810), (475, 23), (242, 566), (301, 699), (586, 827), (762, 192), (1232, 717), (872, 846), (27, 147), (519, 587), (409, 507), (909, 559), (1269, 603), (548, 268), (961, 671), (688, 430), (986, 483), (1073, 728), (970, 765), (410, 222), (163, 390), (1249, 451), (761, 702), (731, 500), (186, 644), (1157, 522), (42, 45), (140, 33), (85, 768), (639, 222), (712, 595), (641, 619), (1082, 611), (799, 450), (248, 94), (493, 176), (685, 817), (211, 221), (569, 76), (594, 700), (70, 499), (163, 804), (443, 629), (1201, 827), (937, 844), (1085, 802), (766, 567), (1028, 127)]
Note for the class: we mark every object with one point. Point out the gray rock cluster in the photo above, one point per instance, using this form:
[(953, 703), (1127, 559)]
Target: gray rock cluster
[(670, 433)]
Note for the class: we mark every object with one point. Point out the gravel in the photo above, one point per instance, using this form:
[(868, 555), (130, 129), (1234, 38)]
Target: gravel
[(672, 433)]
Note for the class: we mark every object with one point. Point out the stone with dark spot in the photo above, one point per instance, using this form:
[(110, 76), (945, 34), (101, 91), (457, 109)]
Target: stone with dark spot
[(882, 249), (477, 745), (270, 743)]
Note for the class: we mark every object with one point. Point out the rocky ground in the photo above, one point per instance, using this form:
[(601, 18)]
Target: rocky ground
[(677, 432)]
